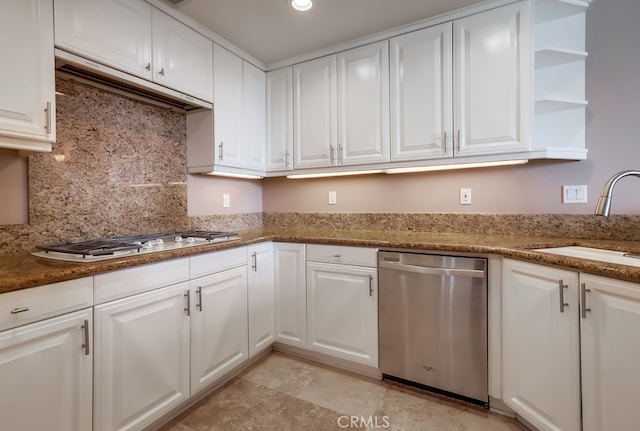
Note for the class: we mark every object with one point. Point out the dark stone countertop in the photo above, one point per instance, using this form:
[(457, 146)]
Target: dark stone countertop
[(25, 270)]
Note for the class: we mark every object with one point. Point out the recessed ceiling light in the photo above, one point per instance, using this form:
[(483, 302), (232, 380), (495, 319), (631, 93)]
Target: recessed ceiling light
[(301, 5)]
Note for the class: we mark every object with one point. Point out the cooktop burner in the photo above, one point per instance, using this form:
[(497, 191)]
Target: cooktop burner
[(114, 247)]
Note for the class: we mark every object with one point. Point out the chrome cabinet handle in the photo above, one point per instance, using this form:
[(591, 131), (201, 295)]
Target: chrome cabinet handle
[(254, 262), (161, 71), (47, 118), (187, 303), (331, 151), (220, 148), (370, 285), (340, 154), (561, 288), (458, 140), (148, 66), (444, 140), (19, 310), (286, 158), (583, 300), (199, 298), (85, 332)]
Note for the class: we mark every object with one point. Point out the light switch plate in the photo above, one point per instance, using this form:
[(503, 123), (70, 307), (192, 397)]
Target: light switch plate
[(465, 196), (574, 194), (332, 198), (226, 201)]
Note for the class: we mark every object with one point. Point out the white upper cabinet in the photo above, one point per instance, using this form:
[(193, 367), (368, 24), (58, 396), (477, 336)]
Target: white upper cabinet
[(253, 139), (183, 59), (314, 113), (491, 75), (363, 105), (279, 89), (227, 93), (27, 84), (421, 94), (112, 32), (134, 37)]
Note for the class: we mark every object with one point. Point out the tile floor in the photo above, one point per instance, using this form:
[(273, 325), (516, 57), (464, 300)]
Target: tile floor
[(284, 393)]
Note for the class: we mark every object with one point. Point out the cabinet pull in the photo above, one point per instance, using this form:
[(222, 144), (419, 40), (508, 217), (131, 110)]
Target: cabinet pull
[(561, 288), (458, 140), (187, 303), (254, 262), (19, 310), (331, 150), (85, 333), (286, 159), (199, 298), (47, 118), (220, 148), (583, 300), (370, 285), (340, 154), (148, 66), (161, 71), (444, 141)]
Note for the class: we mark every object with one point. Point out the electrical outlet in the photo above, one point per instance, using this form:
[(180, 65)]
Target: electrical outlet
[(332, 198), (465, 196), (226, 200)]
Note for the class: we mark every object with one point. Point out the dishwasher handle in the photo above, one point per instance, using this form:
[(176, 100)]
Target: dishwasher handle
[(473, 273)]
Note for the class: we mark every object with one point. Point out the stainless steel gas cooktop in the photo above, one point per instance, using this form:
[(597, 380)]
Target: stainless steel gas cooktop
[(116, 247)]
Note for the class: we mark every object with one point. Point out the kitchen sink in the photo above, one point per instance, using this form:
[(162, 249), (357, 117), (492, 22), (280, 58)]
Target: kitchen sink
[(610, 256)]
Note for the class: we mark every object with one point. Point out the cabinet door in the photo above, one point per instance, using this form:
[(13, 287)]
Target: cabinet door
[(113, 32), (491, 78), (227, 97), (421, 94), (27, 104), (253, 117), (141, 358), (291, 297), (363, 105), (279, 119), (182, 58), (261, 298), (541, 353), (46, 374), (218, 326), (342, 311), (610, 354), (314, 115)]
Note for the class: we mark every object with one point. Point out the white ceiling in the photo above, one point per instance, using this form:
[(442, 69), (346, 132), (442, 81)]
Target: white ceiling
[(271, 31)]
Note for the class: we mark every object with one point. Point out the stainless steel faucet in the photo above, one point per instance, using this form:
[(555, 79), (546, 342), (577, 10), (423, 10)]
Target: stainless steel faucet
[(604, 203)]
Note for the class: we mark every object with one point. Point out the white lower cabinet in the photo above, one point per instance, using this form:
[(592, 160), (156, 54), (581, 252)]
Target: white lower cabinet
[(342, 311), (141, 358), (541, 345), (46, 374), (261, 297), (218, 325), (610, 354), (290, 293)]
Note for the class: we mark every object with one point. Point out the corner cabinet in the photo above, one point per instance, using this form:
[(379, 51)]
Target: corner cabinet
[(342, 302), (291, 293), (279, 89), (27, 83), (541, 344), (610, 325)]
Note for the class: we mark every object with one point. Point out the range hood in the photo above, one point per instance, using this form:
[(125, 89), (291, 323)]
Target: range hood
[(76, 68)]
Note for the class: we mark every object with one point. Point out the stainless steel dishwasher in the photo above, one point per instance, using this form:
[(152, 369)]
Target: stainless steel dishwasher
[(433, 323)]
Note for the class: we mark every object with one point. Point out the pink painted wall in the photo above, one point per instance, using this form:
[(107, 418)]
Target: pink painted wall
[(204, 195)]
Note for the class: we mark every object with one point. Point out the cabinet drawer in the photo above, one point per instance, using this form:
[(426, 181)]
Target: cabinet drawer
[(363, 256), (210, 263), (120, 284), (38, 303)]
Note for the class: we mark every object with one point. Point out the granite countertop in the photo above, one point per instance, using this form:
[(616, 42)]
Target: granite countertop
[(24, 271)]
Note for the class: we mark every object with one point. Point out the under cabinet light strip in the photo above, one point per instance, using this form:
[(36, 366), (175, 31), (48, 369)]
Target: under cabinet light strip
[(452, 167)]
